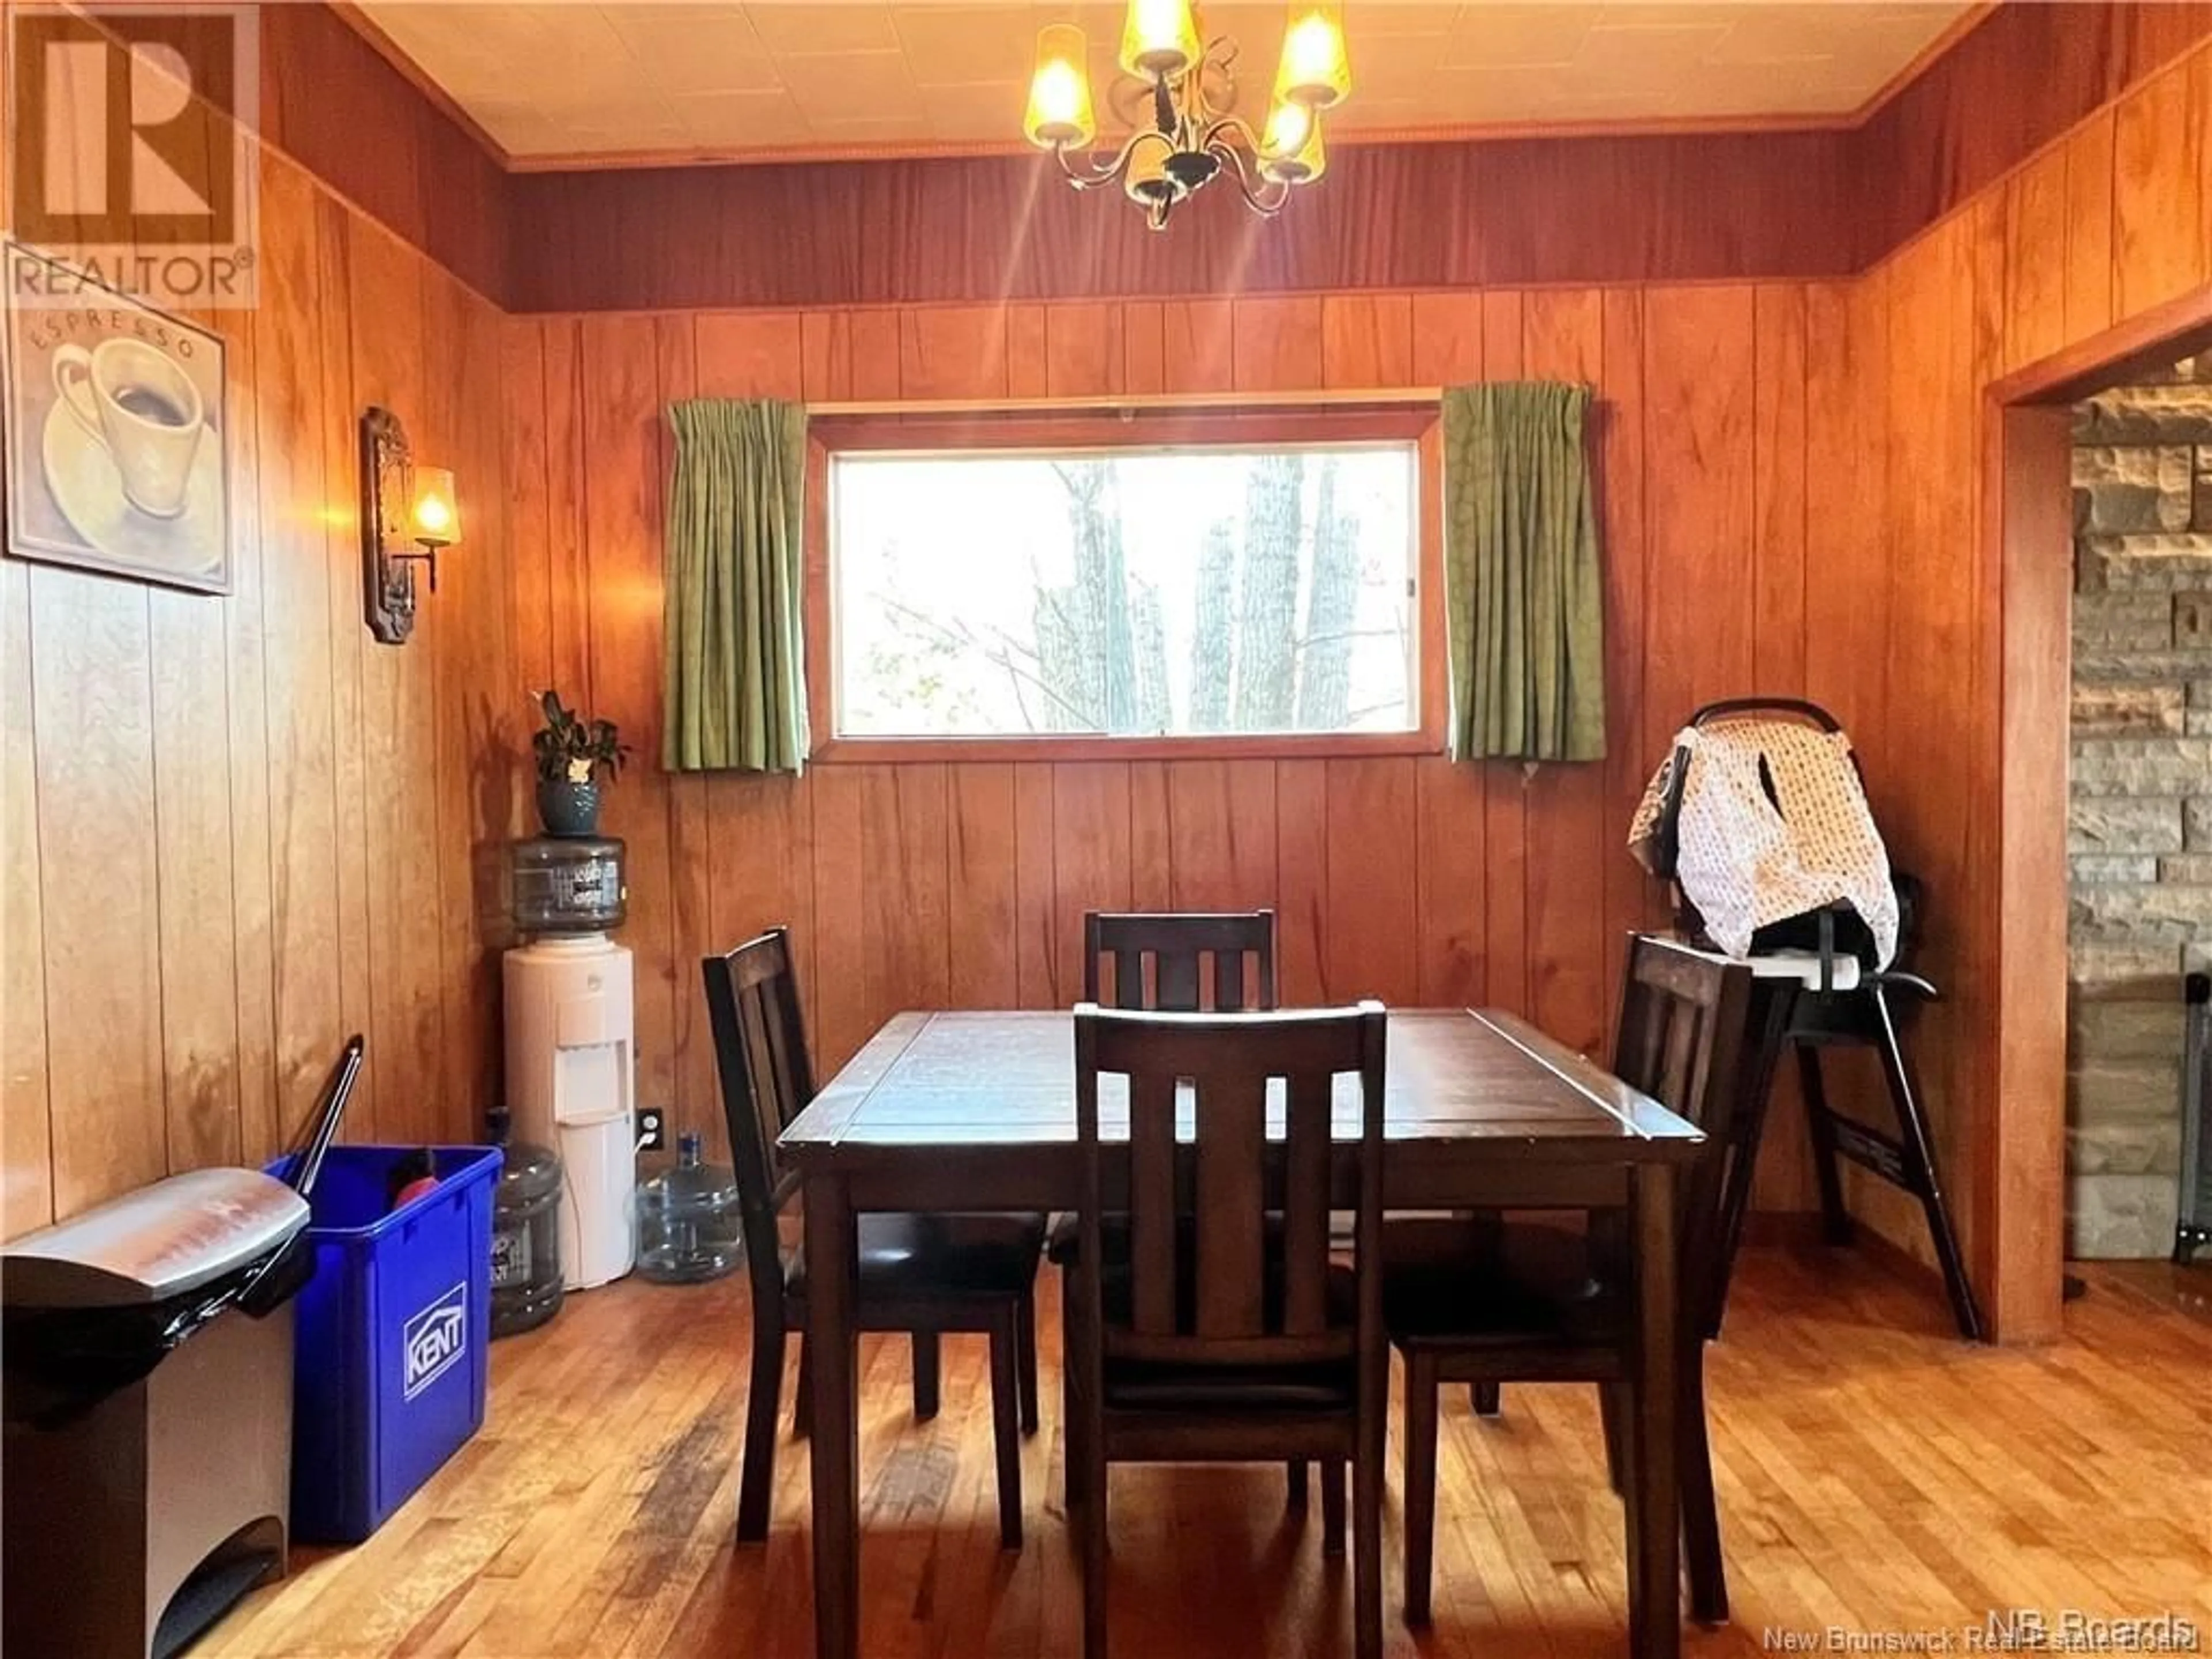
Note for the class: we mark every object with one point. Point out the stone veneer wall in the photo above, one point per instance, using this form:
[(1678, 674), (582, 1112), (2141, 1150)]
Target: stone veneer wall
[(2140, 818)]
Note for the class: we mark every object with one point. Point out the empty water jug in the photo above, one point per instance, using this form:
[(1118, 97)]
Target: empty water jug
[(526, 1234), (687, 1220)]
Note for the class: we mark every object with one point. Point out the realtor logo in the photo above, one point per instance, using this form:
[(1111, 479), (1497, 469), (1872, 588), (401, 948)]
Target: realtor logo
[(436, 1337), (132, 158)]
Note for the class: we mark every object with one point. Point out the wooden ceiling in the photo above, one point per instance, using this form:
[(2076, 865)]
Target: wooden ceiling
[(566, 85)]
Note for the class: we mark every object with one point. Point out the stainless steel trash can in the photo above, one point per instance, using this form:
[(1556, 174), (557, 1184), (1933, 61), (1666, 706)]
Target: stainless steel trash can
[(148, 1414)]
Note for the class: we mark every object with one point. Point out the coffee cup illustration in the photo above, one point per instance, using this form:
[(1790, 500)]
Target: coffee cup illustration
[(143, 410)]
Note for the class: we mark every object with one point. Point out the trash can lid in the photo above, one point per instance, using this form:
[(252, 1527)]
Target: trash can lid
[(159, 1241)]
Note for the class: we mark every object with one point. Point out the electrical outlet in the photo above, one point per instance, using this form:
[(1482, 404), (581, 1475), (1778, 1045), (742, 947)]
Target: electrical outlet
[(651, 1129)]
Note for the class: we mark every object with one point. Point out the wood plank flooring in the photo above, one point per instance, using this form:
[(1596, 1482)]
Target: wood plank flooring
[(1875, 1475)]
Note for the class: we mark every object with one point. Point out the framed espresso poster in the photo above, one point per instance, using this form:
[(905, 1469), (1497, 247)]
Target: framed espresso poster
[(117, 432)]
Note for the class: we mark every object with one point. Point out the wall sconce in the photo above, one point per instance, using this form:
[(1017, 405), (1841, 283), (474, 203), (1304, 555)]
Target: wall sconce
[(401, 505)]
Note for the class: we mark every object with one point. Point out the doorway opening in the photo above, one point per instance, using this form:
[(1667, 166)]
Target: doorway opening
[(2139, 806)]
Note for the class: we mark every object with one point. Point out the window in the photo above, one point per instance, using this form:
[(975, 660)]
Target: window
[(1219, 589)]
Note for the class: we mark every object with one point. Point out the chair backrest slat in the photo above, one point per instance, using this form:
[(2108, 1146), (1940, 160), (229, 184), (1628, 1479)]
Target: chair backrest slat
[(1154, 1213), (1176, 947), (1307, 1132), (1204, 1284), (1230, 1262)]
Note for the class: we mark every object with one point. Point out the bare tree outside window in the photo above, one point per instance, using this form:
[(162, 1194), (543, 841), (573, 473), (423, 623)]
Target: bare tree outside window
[(1138, 594)]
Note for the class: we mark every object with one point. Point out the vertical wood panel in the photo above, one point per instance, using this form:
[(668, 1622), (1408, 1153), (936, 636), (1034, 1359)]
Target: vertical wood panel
[(398, 705), (904, 902), (1152, 877), (197, 924), (1699, 349), (248, 652), (1091, 857), (983, 873), (1083, 349), (1567, 840), (1847, 359), (1370, 941), (2161, 202), (953, 351), (1144, 347), (1779, 491), (2089, 228), (2036, 230), (840, 900), (620, 357), (359, 943), (1026, 351), (748, 354), (1629, 902), (568, 655), (26, 1147), (1221, 831), (92, 711), (305, 850), (1036, 959), (1196, 343), (1277, 344), (1366, 340), (1301, 881), (1451, 861)]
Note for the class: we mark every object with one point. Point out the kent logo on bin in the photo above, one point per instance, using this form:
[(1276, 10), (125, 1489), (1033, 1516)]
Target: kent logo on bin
[(435, 1337)]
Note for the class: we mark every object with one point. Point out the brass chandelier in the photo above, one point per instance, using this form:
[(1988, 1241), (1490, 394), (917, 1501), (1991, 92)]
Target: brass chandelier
[(1177, 88)]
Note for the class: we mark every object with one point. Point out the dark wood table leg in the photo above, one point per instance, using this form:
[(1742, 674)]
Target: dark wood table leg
[(832, 1266), (1654, 1591)]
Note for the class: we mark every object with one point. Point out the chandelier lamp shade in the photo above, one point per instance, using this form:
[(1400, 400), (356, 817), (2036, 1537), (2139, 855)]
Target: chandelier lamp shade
[(1175, 88)]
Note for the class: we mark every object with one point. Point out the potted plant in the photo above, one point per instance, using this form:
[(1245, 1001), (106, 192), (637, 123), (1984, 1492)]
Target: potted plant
[(573, 752)]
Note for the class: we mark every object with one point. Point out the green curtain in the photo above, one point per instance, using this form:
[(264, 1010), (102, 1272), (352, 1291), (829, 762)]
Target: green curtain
[(737, 682), (1524, 595)]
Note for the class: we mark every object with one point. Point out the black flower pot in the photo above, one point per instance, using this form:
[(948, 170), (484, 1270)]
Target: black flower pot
[(569, 809)]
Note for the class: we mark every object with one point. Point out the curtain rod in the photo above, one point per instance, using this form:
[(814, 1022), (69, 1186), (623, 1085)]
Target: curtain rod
[(1149, 403)]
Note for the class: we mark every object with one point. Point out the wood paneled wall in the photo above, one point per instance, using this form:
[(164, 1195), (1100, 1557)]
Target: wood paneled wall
[(332, 103), (1390, 216), (235, 828), (946, 885), (2096, 230)]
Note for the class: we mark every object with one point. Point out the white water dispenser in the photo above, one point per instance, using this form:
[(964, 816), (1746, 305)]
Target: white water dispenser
[(571, 1045)]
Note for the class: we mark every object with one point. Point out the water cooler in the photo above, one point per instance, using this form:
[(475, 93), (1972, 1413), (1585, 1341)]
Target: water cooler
[(571, 1050)]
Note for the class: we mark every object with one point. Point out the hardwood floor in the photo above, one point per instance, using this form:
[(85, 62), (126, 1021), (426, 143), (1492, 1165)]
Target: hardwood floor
[(1875, 1475)]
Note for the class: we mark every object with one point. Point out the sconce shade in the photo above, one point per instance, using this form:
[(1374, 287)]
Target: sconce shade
[(1059, 110), (1159, 40), (437, 515), (1314, 71)]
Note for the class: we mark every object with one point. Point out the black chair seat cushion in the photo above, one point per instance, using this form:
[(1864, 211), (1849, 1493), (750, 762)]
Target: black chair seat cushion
[(918, 1253), (1458, 1282), (1132, 1385)]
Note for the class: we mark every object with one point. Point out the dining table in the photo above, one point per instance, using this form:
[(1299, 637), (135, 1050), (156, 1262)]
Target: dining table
[(952, 1111)]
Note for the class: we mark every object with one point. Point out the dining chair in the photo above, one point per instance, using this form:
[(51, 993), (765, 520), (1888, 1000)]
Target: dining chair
[(924, 1275), (1238, 945), (1231, 953), (1226, 1333), (1511, 1300)]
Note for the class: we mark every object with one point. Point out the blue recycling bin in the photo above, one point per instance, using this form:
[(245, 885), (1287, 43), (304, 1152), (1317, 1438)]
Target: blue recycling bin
[(390, 1373)]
